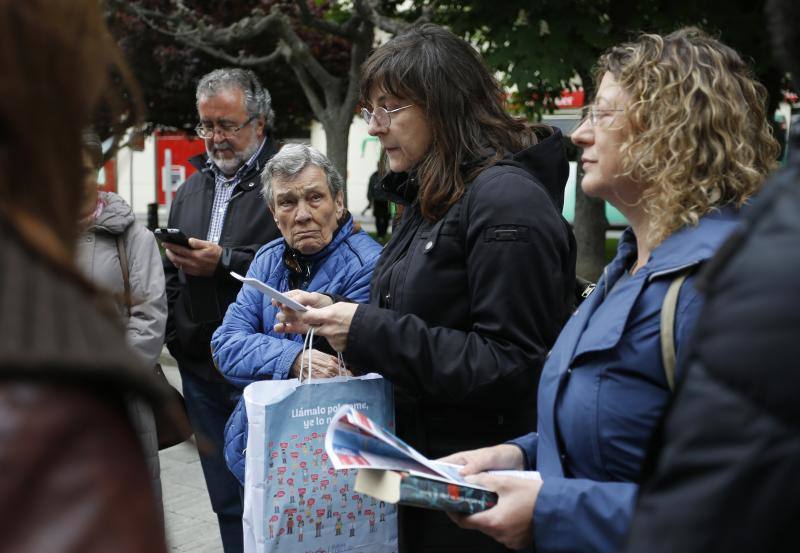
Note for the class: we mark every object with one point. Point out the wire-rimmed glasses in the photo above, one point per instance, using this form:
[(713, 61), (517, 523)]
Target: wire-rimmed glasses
[(593, 113), (226, 130), (383, 118)]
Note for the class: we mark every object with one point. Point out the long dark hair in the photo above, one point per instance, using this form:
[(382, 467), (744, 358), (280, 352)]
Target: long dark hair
[(463, 102), (57, 62)]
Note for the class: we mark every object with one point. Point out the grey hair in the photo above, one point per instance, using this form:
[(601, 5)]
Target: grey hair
[(290, 162), (256, 98)]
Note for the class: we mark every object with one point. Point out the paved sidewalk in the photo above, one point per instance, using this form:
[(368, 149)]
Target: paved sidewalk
[(191, 524)]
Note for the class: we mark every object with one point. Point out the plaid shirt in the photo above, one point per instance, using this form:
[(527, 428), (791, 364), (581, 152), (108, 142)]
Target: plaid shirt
[(223, 190)]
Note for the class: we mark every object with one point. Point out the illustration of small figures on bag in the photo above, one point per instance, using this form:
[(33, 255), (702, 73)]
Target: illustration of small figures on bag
[(302, 492), (359, 503), (352, 518), (338, 525), (279, 494), (283, 445), (383, 511), (329, 499), (318, 528), (290, 481), (271, 525), (281, 473), (300, 525), (289, 523), (343, 491), (371, 515)]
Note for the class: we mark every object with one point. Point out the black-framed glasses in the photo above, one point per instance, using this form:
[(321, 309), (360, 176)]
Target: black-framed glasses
[(227, 130), (382, 116), (593, 114)]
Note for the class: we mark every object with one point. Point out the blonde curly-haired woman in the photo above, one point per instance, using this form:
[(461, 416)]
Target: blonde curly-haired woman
[(677, 139)]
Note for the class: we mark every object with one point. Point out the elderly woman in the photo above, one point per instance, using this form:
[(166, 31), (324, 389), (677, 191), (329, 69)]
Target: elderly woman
[(113, 242), (677, 139), (477, 280), (321, 251)]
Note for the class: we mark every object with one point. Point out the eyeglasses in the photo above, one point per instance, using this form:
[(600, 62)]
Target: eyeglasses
[(593, 114), (226, 130), (383, 119)]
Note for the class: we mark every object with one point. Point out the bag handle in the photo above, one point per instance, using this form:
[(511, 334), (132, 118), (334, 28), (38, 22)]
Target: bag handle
[(305, 354), (126, 280), (668, 309)]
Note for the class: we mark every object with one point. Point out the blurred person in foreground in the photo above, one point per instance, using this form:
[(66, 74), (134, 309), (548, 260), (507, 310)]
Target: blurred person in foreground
[(726, 478), (73, 474), (677, 140), (112, 241), (321, 250), (221, 210), (478, 277)]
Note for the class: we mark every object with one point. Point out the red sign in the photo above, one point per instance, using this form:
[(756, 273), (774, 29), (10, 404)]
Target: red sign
[(570, 99), (110, 174), (182, 148)]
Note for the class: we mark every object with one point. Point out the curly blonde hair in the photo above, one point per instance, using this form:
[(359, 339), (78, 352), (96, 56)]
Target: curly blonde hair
[(698, 134)]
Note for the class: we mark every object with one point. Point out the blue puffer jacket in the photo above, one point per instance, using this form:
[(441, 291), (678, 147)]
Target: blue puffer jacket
[(603, 391), (245, 347)]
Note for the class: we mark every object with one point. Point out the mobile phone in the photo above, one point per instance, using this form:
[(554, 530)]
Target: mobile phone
[(173, 236)]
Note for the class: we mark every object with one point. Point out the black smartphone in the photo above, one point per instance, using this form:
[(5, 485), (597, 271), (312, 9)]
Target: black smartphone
[(173, 236)]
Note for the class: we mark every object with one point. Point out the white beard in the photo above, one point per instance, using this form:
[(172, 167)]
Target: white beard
[(231, 165)]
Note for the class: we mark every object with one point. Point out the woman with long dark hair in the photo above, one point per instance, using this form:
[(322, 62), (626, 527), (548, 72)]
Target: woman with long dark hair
[(477, 278)]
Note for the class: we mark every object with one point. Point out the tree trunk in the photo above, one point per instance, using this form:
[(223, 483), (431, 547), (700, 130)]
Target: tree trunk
[(337, 136), (590, 233)]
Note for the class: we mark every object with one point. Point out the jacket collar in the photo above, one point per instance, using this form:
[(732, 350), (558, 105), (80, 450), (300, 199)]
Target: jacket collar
[(686, 247), (400, 188)]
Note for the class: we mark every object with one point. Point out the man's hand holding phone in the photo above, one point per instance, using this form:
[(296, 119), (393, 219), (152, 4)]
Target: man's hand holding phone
[(197, 258)]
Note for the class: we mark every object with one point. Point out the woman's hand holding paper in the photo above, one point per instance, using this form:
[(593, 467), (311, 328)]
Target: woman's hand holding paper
[(330, 320)]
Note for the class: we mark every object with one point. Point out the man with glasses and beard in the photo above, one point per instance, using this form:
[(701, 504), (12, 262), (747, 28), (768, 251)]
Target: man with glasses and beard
[(219, 208)]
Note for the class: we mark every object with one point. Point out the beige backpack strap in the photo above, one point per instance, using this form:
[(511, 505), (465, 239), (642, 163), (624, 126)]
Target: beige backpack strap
[(126, 279), (668, 309)]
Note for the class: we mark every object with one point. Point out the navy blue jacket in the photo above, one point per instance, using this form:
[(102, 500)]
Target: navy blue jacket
[(603, 391), (246, 348)]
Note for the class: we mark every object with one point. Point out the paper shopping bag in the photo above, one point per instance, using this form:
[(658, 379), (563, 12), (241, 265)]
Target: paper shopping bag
[(294, 500)]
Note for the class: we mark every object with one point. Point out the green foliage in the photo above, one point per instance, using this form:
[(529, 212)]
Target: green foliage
[(168, 71), (540, 46)]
